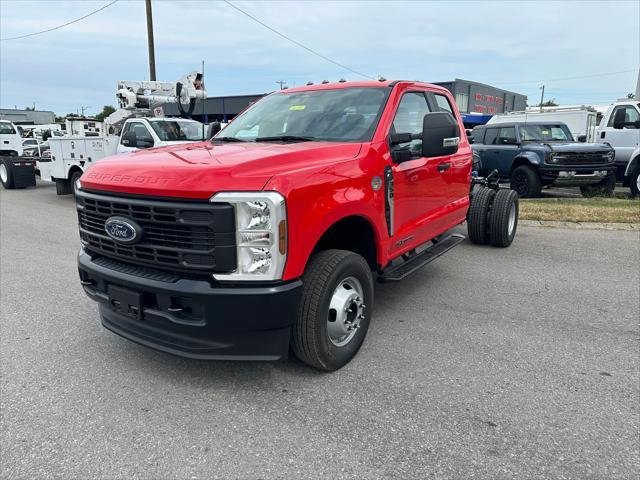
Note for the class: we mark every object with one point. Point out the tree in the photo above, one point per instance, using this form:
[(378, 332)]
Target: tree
[(549, 103), (106, 111)]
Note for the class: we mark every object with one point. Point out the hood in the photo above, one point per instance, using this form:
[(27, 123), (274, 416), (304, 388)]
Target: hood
[(570, 147), (199, 170)]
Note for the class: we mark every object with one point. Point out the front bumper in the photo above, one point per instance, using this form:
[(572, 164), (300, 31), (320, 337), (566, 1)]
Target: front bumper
[(192, 317), (575, 175)]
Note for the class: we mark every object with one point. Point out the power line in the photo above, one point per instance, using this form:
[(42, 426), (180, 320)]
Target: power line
[(606, 74), (296, 42), (59, 26)]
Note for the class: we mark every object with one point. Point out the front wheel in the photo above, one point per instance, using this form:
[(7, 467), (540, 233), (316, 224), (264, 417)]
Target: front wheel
[(335, 309), (634, 181), (526, 182), (604, 188)]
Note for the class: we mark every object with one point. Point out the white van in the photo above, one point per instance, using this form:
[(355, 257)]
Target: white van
[(10, 140)]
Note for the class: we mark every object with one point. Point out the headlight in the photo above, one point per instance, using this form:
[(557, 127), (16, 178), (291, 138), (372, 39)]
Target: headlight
[(261, 234), (552, 158), (611, 156)]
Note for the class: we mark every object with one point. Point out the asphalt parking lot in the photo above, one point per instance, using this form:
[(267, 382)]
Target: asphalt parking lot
[(488, 363)]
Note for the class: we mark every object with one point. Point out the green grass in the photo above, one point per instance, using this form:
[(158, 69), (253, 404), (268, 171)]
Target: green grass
[(605, 210)]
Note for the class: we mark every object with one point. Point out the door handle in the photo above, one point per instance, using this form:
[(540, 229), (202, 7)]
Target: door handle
[(602, 134), (443, 167)]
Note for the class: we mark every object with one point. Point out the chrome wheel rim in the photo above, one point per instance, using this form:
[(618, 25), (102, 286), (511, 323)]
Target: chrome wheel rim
[(3, 173), (346, 310), (638, 183), (512, 219)]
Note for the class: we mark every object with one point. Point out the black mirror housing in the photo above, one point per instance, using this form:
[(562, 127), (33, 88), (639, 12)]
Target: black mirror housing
[(440, 134), (582, 138), (213, 129), (619, 119), (130, 139)]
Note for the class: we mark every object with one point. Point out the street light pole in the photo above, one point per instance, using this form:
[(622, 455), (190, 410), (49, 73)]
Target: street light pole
[(152, 55), (541, 97)]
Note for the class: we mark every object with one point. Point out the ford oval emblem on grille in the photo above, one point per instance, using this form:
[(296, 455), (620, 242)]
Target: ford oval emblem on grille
[(123, 230)]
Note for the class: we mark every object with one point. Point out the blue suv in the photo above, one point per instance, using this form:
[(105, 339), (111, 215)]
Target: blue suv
[(532, 155)]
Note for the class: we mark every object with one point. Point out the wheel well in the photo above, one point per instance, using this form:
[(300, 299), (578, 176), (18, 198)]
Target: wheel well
[(72, 170), (519, 162), (351, 233)]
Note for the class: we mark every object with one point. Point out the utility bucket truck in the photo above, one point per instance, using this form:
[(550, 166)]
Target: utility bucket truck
[(133, 126)]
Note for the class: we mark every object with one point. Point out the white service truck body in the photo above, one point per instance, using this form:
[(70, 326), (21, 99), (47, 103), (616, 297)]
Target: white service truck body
[(72, 155)]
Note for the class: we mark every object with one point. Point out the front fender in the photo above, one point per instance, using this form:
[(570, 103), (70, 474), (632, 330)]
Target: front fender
[(631, 166), (534, 158), (317, 200)]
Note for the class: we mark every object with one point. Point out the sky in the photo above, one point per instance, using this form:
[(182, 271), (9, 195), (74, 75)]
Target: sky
[(583, 52)]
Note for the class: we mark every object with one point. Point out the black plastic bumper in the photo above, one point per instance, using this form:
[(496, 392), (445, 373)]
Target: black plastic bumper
[(549, 174), (191, 317)]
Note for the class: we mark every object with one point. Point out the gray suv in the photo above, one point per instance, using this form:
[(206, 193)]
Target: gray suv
[(532, 155)]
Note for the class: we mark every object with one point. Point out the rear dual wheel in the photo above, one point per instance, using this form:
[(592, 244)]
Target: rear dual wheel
[(493, 217), (6, 174)]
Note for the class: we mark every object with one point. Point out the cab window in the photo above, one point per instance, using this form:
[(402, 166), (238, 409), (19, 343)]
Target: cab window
[(507, 136), (443, 103), (491, 136), (409, 117), (631, 115), (142, 133)]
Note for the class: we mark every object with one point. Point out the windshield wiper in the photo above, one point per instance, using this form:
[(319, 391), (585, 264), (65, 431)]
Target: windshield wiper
[(285, 138), (227, 139)]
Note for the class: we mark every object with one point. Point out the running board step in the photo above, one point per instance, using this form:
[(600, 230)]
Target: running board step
[(402, 270)]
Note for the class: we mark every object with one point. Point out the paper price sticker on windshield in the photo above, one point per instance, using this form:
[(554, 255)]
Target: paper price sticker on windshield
[(297, 107)]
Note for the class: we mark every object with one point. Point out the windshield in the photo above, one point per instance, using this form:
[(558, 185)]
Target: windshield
[(545, 133), (345, 115), (6, 128), (177, 130)]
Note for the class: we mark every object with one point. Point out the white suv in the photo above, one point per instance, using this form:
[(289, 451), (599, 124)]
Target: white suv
[(620, 128)]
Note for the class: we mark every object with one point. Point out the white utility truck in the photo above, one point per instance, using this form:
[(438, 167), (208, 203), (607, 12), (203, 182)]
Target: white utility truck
[(129, 128), (620, 128), (582, 121)]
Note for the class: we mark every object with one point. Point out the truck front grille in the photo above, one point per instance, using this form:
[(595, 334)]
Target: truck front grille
[(581, 158), (177, 236)]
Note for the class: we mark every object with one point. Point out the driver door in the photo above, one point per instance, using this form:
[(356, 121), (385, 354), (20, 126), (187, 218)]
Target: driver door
[(419, 188)]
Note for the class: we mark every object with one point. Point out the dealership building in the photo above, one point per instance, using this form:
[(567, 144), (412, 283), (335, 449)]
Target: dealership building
[(477, 103), (27, 117)]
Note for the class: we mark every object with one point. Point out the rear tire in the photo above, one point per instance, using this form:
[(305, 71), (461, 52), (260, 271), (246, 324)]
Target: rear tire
[(526, 182), (603, 189), (6, 174), (477, 218), (62, 186), (322, 336), (634, 181), (504, 218)]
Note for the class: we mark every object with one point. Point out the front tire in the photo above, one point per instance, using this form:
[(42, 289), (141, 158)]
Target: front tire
[(603, 189), (634, 181), (504, 218), (526, 182), (335, 309)]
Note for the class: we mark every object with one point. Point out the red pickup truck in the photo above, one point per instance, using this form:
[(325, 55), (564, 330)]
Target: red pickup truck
[(269, 237)]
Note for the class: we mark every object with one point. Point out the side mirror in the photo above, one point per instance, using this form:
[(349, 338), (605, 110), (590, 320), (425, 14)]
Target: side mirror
[(469, 135), (213, 129), (582, 138), (440, 134), (130, 139), (144, 143)]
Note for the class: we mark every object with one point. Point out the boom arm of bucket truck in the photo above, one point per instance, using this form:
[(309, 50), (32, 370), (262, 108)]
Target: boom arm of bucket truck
[(137, 98)]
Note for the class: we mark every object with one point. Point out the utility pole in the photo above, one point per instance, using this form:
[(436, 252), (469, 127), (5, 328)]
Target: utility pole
[(281, 83), (85, 108), (541, 97), (152, 55)]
